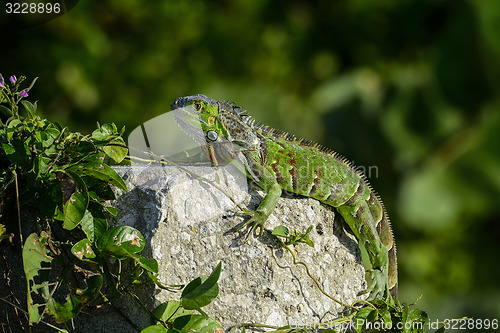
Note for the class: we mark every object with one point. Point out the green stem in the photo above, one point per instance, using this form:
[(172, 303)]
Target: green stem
[(18, 209), (295, 262)]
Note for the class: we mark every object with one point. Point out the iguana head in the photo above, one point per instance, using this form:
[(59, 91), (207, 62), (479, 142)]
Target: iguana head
[(224, 129)]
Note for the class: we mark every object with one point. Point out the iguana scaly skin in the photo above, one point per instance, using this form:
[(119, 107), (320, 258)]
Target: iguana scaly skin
[(277, 161)]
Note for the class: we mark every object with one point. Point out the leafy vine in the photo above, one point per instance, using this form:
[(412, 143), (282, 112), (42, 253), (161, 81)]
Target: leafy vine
[(68, 177)]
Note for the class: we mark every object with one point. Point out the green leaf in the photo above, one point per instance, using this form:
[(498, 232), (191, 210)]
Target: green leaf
[(47, 137), (385, 315), (94, 223), (361, 318), (418, 315), (3, 235), (6, 111), (149, 264), (414, 316), (102, 171), (74, 209), (112, 210), (281, 231), (43, 165), (201, 291), (379, 303), (74, 303), (121, 241), (83, 148), (104, 132), (83, 250), (37, 265), (100, 192), (155, 329), (116, 150), (12, 127), (36, 258), (169, 311), (196, 323), (308, 241), (17, 152), (169, 287), (94, 284), (372, 316), (87, 224), (30, 108), (62, 312)]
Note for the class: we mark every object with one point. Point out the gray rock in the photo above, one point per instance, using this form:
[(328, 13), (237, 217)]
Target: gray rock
[(188, 223)]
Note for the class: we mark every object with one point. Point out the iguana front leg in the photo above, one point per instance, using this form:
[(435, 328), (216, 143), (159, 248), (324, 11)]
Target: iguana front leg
[(262, 177)]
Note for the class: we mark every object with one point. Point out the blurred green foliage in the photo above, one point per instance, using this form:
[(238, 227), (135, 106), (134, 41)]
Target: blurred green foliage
[(410, 87)]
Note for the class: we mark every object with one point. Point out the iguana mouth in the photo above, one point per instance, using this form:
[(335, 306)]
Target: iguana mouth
[(187, 118)]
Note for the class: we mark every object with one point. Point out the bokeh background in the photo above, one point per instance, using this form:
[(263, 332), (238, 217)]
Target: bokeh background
[(406, 89)]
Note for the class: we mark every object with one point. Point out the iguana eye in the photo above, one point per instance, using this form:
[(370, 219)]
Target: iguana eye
[(212, 136), (197, 106)]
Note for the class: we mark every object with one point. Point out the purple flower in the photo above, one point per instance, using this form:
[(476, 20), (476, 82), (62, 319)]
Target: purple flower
[(1, 81), (13, 79), (24, 93)]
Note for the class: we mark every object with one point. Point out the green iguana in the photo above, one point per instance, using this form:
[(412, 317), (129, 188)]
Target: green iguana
[(278, 161)]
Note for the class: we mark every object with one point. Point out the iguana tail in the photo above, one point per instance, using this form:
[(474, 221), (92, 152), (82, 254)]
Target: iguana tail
[(365, 214), (384, 231)]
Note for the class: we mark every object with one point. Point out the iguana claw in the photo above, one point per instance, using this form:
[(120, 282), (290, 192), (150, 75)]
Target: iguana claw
[(255, 219), (245, 211), (378, 287)]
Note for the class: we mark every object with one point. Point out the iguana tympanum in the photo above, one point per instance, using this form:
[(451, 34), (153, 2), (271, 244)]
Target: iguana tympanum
[(278, 161)]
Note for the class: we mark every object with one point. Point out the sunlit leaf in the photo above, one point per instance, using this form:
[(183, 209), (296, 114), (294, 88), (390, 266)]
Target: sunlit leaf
[(169, 311), (36, 261), (155, 329), (94, 223), (201, 291), (121, 241), (83, 250), (149, 264), (112, 210), (30, 108), (281, 231), (102, 171), (169, 287), (37, 264), (116, 150), (74, 209), (197, 323)]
